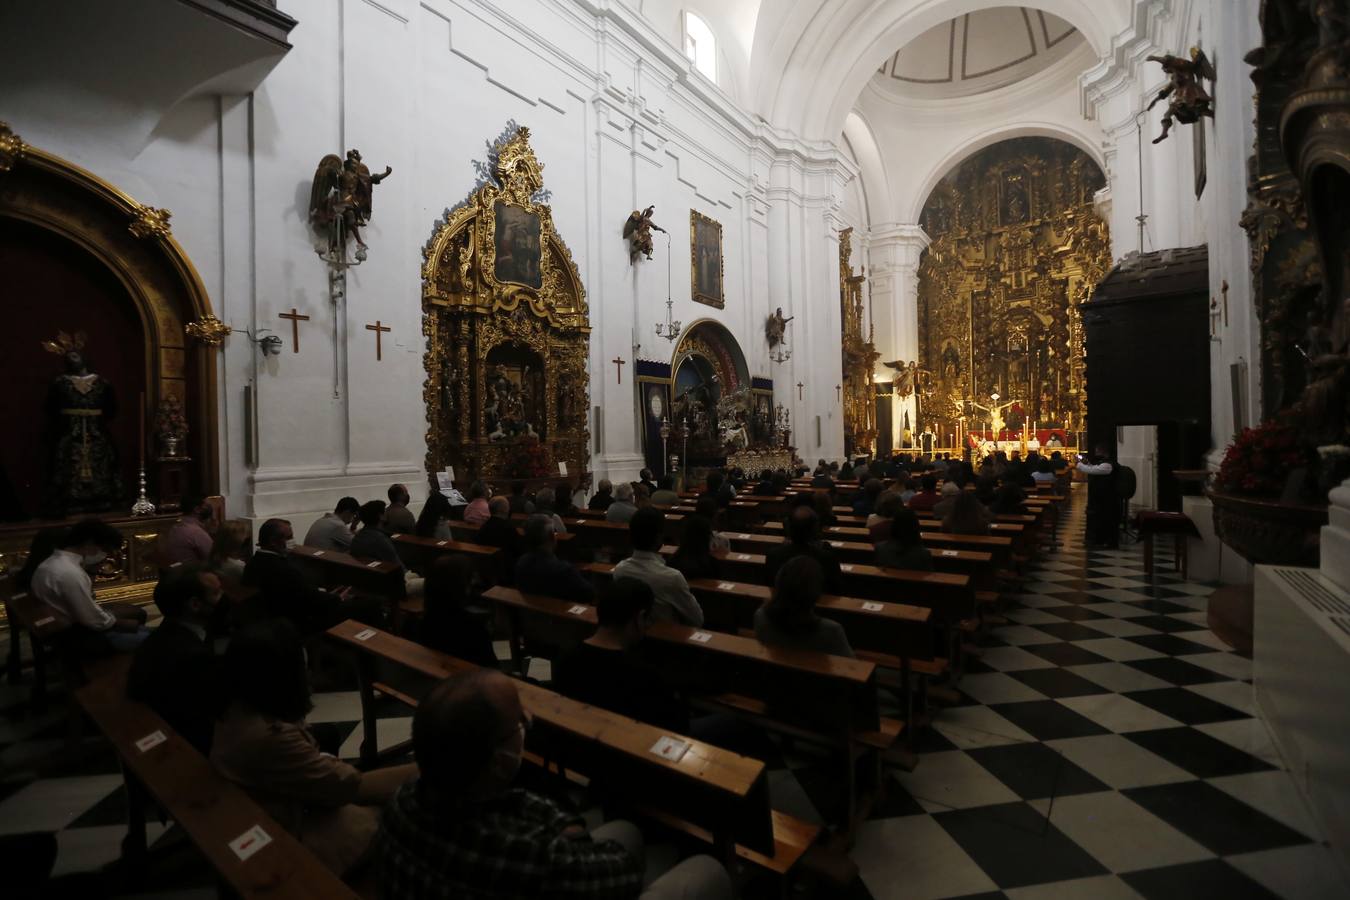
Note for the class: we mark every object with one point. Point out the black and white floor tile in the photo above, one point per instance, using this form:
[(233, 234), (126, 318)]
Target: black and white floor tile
[(1106, 746)]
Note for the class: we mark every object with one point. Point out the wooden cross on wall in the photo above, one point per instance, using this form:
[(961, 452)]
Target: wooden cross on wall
[(378, 329), (296, 318), (799, 390), (618, 367)]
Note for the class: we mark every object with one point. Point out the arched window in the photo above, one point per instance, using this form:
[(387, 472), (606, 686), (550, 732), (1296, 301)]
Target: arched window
[(700, 45)]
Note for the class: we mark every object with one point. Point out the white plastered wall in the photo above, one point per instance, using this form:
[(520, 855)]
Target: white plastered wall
[(618, 120)]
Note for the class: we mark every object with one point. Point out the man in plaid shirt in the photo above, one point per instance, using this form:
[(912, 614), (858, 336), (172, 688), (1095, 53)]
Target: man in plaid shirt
[(461, 831)]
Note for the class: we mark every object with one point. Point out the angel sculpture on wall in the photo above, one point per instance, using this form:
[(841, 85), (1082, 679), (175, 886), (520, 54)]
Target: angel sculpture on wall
[(638, 231), (775, 326), (340, 200), (1189, 100)]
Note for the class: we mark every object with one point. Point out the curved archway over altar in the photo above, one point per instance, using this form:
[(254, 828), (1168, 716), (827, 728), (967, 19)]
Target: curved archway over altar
[(137, 293)]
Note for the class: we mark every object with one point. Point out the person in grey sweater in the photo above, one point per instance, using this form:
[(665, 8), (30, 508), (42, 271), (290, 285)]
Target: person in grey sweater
[(789, 618)]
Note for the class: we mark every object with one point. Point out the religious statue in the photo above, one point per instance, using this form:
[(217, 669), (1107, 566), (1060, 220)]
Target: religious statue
[(1189, 100), (775, 326), (638, 231), (84, 475), (340, 199)]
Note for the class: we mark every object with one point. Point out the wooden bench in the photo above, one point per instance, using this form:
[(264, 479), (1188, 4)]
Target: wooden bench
[(709, 793), (45, 628), (895, 636), (829, 700), (250, 852)]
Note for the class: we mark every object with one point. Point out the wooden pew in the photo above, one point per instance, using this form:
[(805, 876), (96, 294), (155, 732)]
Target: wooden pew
[(892, 635), (333, 568), (709, 793), (250, 852), (45, 628), (419, 554), (825, 699)]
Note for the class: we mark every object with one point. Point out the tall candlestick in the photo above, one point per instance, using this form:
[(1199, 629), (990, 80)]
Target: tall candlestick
[(141, 432)]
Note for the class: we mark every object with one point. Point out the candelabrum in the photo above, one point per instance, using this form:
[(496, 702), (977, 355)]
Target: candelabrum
[(665, 436), (671, 329), (142, 506)]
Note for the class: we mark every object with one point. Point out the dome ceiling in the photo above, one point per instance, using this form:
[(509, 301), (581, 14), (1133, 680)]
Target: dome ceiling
[(977, 52)]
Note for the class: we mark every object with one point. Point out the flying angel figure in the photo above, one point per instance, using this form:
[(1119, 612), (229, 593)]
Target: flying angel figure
[(1189, 100)]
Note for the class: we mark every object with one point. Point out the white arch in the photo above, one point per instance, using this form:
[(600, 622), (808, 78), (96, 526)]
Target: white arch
[(812, 58), (975, 143), (876, 186)]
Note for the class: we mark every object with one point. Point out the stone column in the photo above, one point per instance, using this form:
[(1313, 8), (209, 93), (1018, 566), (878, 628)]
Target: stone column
[(894, 251)]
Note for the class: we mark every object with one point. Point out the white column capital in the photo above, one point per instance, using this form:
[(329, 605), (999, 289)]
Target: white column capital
[(896, 248)]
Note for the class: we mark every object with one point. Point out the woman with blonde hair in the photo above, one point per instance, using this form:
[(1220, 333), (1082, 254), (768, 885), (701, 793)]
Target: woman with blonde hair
[(228, 549)]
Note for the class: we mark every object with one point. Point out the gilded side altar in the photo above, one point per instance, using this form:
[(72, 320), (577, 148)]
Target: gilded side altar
[(508, 338)]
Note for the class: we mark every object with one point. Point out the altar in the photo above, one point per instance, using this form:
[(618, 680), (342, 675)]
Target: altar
[(508, 335), (753, 462)]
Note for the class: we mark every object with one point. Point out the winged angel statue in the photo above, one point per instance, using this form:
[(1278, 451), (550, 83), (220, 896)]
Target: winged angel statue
[(340, 199), (1189, 99)]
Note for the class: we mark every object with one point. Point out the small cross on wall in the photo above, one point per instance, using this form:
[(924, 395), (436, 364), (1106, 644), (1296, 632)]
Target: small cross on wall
[(296, 318), (799, 390), (618, 367), (838, 395), (379, 330)]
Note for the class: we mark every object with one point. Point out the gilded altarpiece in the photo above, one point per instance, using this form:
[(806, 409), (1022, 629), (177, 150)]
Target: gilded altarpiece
[(508, 338), (858, 394), (1016, 247)]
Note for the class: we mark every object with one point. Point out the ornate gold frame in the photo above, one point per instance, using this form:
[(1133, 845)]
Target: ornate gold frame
[(136, 244), (720, 302), (467, 313)]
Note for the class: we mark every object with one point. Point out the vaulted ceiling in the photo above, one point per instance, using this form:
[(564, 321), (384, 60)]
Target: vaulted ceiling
[(977, 52)]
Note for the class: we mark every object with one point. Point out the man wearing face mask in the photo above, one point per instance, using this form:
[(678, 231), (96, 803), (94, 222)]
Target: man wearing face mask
[(283, 591), (188, 541), (175, 672), (63, 583), (461, 829), (398, 519)]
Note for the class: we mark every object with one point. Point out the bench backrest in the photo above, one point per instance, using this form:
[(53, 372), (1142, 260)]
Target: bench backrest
[(249, 850), (721, 791), (333, 568)]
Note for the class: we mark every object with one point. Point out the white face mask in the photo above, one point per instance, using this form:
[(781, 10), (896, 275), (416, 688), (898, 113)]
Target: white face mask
[(94, 559), (290, 545)]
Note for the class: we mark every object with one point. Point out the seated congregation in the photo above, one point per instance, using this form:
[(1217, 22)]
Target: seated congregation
[(713, 624)]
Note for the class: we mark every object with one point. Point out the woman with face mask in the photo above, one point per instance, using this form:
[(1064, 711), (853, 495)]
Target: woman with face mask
[(263, 744), (65, 583)]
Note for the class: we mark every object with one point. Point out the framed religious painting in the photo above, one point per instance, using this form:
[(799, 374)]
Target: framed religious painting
[(705, 243), (516, 236)]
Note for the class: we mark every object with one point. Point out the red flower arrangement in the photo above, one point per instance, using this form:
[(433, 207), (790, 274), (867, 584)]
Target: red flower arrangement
[(530, 459), (1261, 458)]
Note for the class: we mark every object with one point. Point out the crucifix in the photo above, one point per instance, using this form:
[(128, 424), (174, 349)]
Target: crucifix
[(618, 367), (799, 390), (378, 329), (296, 318)]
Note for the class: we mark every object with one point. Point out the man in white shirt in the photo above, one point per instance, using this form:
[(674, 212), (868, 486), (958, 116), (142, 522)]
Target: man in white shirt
[(1103, 511), (62, 582), (674, 602), (334, 530)]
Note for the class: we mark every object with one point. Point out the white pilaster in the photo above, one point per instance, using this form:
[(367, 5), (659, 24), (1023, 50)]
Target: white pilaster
[(895, 251)]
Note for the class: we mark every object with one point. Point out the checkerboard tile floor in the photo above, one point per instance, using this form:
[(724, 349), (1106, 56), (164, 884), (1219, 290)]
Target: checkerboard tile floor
[(1106, 745)]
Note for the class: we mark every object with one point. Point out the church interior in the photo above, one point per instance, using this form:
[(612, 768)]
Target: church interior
[(426, 477)]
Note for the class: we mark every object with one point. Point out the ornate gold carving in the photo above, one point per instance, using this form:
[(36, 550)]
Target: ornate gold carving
[(479, 295), (1017, 246), (150, 222), (209, 330), (12, 148), (859, 358)]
